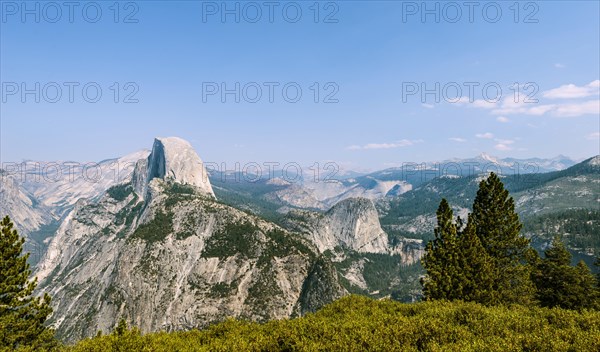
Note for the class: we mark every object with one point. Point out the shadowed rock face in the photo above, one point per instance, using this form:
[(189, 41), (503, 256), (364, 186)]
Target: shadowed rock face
[(175, 159)]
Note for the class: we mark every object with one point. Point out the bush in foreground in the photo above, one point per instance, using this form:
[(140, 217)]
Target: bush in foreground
[(357, 323)]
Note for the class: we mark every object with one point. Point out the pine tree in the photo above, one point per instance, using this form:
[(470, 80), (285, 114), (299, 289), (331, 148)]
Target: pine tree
[(586, 295), (442, 259), (498, 227), (457, 265), (561, 285), (477, 268), (22, 316), (121, 328), (553, 277)]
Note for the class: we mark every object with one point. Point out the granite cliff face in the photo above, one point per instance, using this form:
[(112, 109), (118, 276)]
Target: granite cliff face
[(161, 252), (35, 221), (364, 257), (174, 159), (21, 206), (353, 224)]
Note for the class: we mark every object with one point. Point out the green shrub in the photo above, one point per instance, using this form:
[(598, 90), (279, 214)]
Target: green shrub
[(357, 323), (234, 238), (155, 230), (120, 192)]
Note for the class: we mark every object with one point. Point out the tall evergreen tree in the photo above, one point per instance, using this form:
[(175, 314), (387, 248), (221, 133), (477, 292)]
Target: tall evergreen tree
[(477, 268), (457, 265), (553, 277), (442, 259), (498, 227), (561, 285), (586, 295), (22, 316)]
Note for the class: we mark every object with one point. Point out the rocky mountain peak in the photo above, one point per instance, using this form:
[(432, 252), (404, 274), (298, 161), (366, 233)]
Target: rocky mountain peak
[(488, 158), (595, 161), (352, 223), (175, 159), (356, 206)]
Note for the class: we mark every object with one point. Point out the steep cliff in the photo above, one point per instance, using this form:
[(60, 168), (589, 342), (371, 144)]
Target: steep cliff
[(161, 252), (175, 159), (352, 224)]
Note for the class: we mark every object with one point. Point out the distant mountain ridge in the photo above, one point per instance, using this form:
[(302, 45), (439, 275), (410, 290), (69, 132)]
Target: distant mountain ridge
[(59, 191), (310, 193)]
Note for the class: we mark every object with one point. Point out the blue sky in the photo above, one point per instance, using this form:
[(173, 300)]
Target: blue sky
[(372, 54)]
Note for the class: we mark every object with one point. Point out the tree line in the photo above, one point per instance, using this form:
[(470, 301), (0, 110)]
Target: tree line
[(485, 259)]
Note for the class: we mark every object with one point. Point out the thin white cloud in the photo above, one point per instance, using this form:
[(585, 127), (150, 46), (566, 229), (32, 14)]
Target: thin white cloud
[(559, 65), (592, 136), (571, 91), (484, 104), (523, 103), (502, 147), (504, 141), (486, 135), (503, 144), (476, 103), (428, 106), (578, 109), (457, 139), (398, 144)]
